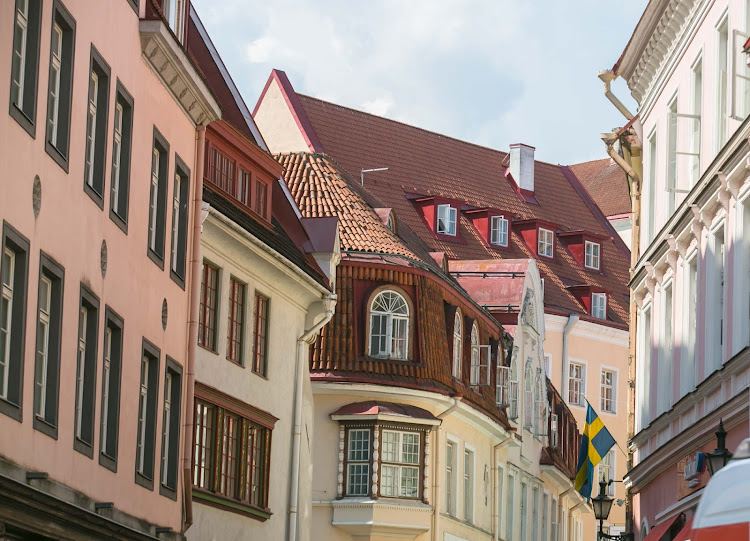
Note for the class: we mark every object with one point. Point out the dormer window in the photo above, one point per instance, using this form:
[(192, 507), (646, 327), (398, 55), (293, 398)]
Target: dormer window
[(593, 249), (546, 243), (391, 223), (599, 305), (446, 220), (499, 231), (174, 11)]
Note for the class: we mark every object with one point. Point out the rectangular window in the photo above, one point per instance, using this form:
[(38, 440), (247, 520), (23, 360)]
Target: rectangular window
[(665, 369), (468, 485), (553, 520), (236, 324), (651, 207), (499, 231), (261, 196), (510, 506), (96, 128), (696, 121), (592, 250), (121, 145), (722, 79), (671, 155), (221, 172), (243, 189), (48, 337), (14, 275), (24, 73), (180, 200), (170, 429), (358, 463), (208, 306), (535, 513), (450, 479), (576, 384), (111, 376), (157, 208), (60, 92), (687, 369), (719, 322), (203, 444), (599, 305), (546, 246), (260, 335), (545, 516), (88, 331), (174, 10), (400, 464), (524, 510), (607, 391), (446, 220), (607, 471), (643, 369), (146, 434)]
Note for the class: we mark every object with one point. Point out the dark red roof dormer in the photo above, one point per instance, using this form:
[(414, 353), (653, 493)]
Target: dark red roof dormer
[(430, 207), (482, 220), (584, 294), (576, 243), (529, 231)]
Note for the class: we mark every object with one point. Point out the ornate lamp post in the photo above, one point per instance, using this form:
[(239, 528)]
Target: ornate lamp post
[(602, 505), (719, 458)]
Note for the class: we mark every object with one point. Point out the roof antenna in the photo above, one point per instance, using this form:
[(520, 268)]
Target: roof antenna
[(363, 171)]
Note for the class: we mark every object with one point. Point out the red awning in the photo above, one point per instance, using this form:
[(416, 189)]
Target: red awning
[(687, 531), (659, 530)]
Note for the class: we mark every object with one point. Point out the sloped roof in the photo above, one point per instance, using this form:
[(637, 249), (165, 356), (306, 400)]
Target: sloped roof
[(425, 163), (607, 183), (492, 282)]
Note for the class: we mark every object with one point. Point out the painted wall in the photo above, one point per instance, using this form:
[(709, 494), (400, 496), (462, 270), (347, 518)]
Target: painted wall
[(289, 300), (71, 229)]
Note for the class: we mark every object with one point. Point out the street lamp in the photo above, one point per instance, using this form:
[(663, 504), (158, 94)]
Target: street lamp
[(602, 505), (719, 458)]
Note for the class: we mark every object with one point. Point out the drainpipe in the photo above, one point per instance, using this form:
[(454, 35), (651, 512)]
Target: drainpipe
[(607, 76), (435, 456), (329, 304), (572, 320), (195, 264), (496, 488)]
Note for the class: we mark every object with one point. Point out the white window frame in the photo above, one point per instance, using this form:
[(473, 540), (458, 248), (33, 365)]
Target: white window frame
[(116, 157), (480, 361), (592, 260), (451, 484), (599, 305), (53, 107), (81, 369), (165, 439), (457, 343), (691, 291), (722, 111), (154, 204), (392, 319), (612, 388), (91, 128), (364, 463), (672, 146), (499, 231), (696, 109), (42, 360), (18, 78), (399, 466), (447, 220), (611, 472), (174, 11), (546, 243), (581, 391), (175, 220), (105, 391), (7, 300), (142, 413), (469, 481)]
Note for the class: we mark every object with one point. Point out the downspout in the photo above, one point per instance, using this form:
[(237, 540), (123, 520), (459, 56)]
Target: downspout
[(607, 76), (572, 320), (496, 488), (435, 458), (303, 341), (195, 268)]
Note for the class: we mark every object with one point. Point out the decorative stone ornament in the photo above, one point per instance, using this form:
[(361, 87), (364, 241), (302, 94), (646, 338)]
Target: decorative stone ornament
[(164, 314), (696, 226), (36, 196), (723, 196), (650, 277), (673, 254), (340, 477), (103, 258), (375, 456)]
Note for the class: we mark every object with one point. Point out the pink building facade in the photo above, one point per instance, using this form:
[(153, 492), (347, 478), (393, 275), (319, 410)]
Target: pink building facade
[(685, 67), (101, 174)]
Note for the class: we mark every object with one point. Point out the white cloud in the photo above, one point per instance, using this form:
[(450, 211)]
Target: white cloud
[(261, 50), (378, 106)]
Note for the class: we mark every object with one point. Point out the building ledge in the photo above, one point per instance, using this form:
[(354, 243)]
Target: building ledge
[(170, 62), (397, 518)]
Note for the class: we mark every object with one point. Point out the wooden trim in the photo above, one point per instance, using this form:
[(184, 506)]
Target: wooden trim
[(232, 404)]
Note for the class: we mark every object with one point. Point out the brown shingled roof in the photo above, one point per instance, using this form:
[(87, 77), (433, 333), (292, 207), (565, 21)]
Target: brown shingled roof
[(429, 164), (607, 184)]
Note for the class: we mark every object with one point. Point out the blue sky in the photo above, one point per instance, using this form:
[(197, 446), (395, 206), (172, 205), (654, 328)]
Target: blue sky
[(493, 72)]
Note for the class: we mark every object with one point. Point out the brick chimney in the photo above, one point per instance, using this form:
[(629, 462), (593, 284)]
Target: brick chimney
[(522, 165)]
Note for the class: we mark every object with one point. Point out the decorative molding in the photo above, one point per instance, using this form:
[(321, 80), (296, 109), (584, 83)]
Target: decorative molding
[(651, 280), (696, 225), (340, 477), (723, 194), (673, 254)]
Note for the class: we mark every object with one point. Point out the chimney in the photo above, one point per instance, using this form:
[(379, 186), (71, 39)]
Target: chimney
[(522, 166)]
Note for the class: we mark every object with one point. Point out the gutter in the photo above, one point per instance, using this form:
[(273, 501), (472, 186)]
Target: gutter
[(607, 76), (436, 456), (195, 264), (329, 305)]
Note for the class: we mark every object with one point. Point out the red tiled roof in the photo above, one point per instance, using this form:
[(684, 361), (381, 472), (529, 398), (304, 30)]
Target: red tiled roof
[(429, 164), (607, 183), (372, 407)]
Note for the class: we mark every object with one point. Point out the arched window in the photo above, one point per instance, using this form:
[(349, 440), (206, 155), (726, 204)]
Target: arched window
[(389, 326), (457, 345)]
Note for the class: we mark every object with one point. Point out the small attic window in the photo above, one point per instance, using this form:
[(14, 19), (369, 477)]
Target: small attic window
[(446, 220), (499, 231), (599, 305), (593, 255), (391, 222), (546, 243)]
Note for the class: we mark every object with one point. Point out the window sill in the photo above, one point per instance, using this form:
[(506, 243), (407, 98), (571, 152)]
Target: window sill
[(43, 426), (121, 222), (170, 493), (26, 123), (95, 196), (108, 462), (233, 506), (144, 481), (56, 155), (11, 410), (177, 279), (153, 256), (82, 447), (206, 348), (236, 363), (264, 376)]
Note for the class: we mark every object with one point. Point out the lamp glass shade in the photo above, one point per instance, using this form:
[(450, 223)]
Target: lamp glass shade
[(717, 460), (602, 506)]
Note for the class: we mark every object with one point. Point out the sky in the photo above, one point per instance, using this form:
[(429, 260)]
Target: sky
[(493, 72)]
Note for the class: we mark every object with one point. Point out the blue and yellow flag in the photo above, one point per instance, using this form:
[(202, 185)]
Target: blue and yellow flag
[(595, 443)]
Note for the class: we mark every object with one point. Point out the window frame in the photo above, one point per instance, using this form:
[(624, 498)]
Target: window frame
[(157, 223), (610, 465), (452, 218), (12, 404), (26, 115), (62, 18), (179, 242), (85, 397), (597, 257), (97, 153), (543, 243), (122, 183), (469, 482), (171, 422), (204, 330), (390, 318), (111, 411), (399, 465), (612, 388), (602, 298), (143, 476), (458, 345), (260, 365), (500, 220), (581, 387), (234, 334), (54, 273), (450, 483)]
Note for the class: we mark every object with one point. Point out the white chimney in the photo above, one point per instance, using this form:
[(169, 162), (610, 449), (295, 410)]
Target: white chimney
[(522, 165)]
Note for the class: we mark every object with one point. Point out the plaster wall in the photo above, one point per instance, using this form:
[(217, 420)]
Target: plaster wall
[(280, 129), (71, 227)]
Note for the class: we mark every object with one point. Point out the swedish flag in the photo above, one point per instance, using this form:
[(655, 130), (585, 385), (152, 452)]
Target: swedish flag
[(596, 442)]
